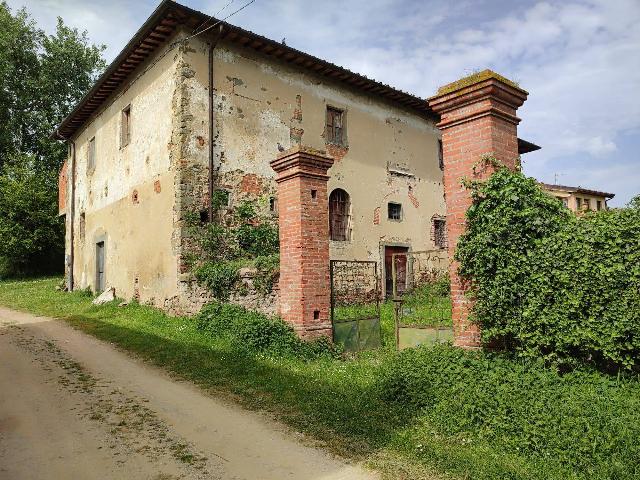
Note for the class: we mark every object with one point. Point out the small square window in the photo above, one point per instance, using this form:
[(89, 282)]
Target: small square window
[(335, 126), (125, 128), (395, 211)]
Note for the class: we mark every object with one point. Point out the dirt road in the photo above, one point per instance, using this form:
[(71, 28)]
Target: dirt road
[(72, 407)]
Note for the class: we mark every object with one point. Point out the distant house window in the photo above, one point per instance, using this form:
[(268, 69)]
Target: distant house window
[(440, 232), (599, 205), (578, 203), (565, 201), (440, 155), (273, 205), (339, 207), (394, 211), (587, 204), (335, 126), (125, 129), (91, 154)]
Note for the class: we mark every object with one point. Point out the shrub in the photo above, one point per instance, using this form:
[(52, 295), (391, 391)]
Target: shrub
[(258, 240), (268, 271), (259, 333), (551, 284), (584, 420), (219, 277)]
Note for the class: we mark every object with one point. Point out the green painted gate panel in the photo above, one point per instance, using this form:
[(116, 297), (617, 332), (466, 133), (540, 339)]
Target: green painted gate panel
[(355, 304)]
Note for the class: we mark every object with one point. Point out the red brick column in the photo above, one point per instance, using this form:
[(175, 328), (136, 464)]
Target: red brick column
[(303, 207), (477, 118)]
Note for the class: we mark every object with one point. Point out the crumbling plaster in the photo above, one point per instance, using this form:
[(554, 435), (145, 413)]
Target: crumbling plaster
[(391, 155), (140, 257)]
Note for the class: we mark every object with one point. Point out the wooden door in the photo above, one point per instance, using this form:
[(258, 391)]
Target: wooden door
[(401, 269)]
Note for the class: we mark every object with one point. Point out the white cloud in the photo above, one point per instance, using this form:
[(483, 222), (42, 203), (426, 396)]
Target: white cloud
[(579, 59)]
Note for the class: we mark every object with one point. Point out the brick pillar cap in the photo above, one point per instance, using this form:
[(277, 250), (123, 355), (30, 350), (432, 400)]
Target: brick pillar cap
[(475, 88), (303, 159)]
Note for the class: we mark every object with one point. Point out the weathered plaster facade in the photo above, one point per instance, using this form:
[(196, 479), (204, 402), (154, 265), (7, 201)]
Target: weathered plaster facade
[(136, 197), (578, 199), (392, 154), (127, 199)]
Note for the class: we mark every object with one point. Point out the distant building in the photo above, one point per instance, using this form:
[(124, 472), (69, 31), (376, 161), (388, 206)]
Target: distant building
[(578, 199)]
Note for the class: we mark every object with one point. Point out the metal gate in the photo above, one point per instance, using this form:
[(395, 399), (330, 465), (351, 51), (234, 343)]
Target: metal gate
[(355, 304), (421, 294)]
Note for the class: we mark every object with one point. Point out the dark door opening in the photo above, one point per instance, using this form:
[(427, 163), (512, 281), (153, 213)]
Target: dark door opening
[(401, 268), (100, 280)]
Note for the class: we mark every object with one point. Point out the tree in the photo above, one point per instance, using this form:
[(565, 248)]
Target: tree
[(32, 235), (42, 77)]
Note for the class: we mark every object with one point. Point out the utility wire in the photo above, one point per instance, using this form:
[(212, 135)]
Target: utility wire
[(195, 31), (219, 21)]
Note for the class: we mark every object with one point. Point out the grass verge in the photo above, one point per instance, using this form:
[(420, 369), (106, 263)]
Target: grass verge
[(461, 414)]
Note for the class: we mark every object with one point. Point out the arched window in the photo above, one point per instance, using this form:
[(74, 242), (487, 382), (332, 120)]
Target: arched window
[(339, 206)]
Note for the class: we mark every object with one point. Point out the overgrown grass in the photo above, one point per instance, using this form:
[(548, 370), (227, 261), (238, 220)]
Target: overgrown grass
[(461, 414)]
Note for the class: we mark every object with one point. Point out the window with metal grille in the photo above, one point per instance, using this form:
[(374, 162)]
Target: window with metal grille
[(440, 155), (339, 206), (395, 211), (335, 126), (440, 232), (91, 154)]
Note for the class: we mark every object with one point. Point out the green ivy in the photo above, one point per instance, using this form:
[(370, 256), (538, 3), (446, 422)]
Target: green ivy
[(234, 239), (550, 284)]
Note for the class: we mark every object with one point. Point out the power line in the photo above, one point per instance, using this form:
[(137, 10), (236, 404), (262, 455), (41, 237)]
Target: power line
[(213, 16), (219, 21)]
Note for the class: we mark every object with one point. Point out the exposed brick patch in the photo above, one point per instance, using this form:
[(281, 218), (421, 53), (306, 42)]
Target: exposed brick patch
[(297, 113), (157, 187), (304, 240), (295, 135), (376, 216), (413, 199), (251, 184), (477, 119), (337, 152)]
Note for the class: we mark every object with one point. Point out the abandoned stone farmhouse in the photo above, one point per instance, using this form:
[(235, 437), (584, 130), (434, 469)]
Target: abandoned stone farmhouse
[(191, 106)]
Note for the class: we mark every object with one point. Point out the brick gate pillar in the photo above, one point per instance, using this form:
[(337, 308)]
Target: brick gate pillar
[(303, 209), (477, 118)]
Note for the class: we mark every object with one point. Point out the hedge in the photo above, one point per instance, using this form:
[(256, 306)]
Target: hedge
[(551, 284)]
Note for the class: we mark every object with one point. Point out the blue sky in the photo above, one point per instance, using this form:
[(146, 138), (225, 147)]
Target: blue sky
[(579, 60)]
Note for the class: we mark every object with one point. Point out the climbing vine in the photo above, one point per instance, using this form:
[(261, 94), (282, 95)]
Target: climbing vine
[(551, 284), (235, 239)]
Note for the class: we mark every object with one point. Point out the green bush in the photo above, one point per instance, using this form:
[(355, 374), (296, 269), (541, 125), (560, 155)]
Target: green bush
[(258, 240), (219, 277), (584, 420), (259, 333), (549, 284), (268, 271)]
